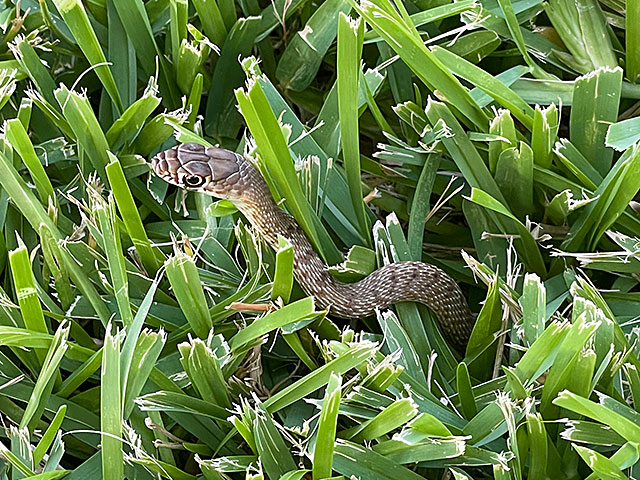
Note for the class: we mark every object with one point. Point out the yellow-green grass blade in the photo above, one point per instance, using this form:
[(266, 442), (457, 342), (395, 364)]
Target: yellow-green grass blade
[(125, 128), (17, 135), (350, 33), (178, 18), (283, 277), (111, 409), (82, 120), (310, 383), (611, 199), (44, 384), (131, 216), (33, 211), (394, 416), (596, 100), (525, 243), (583, 29), (76, 18), (49, 435), (327, 425), (533, 303), (26, 55), (353, 459), (275, 155), (544, 134), (203, 368), (487, 83), (623, 134), (24, 284), (185, 281), (273, 452), (213, 23), (105, 211), (294, 312), (601, 465), (59, 271), (136, 361)]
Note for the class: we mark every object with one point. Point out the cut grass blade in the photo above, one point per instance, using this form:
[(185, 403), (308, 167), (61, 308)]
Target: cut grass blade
[(130, 215), (106, 214), (76, 18), (17, 136), (327, 424), (26, 291), (596, 99), (184, 279), (111, 409), (350, 34)]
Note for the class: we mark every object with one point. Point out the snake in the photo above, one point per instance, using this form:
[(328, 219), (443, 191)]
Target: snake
[(230, 176)]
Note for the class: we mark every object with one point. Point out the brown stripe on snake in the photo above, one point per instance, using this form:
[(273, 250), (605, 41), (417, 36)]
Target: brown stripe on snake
[(225, 174)]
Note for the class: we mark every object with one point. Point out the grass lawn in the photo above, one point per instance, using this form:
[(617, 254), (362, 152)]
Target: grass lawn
[(147, 333)]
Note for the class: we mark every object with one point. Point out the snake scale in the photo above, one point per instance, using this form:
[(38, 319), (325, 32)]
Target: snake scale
[(227, 175)]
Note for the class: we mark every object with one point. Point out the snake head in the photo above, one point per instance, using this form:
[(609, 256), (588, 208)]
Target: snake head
[(214, 171)]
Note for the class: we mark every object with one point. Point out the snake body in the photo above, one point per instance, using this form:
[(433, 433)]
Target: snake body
[(225, 174)]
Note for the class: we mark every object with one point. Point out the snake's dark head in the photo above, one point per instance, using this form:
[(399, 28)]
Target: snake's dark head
[(214, 171)]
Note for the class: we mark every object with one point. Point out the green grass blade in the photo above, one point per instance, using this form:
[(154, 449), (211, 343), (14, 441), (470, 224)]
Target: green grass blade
[(301, 60), (76, 18), (275, 155), (283, 277), (310, 383), (49, 435), (111, 410), (106, 214), (402, 38), (350, 33), (212, 22), (130, 215), (327, 424), (17, 136), (184, 279), (25, 286), (294, 312), (44, 385), (596, 99), (488, 84)]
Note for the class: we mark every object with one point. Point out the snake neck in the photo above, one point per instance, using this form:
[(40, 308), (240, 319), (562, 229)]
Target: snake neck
[(401, 281)]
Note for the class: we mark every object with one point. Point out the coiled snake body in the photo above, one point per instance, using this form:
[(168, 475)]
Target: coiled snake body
[(225, 174)]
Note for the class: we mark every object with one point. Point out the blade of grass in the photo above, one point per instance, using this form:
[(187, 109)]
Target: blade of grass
[(130, 215), (596, 100), (350, 34), (111, 410), (76, 18), (184, 279), (24, 283), (327, 424), (44, 384), (17, 136)]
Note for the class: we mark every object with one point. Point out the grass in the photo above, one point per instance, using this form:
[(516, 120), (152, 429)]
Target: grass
[(148, 334)]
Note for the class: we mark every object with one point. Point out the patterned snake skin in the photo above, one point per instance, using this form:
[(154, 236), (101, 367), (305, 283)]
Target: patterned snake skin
[(225, 174)]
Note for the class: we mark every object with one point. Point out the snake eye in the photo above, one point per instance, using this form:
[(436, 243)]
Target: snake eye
[(194, 181)]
